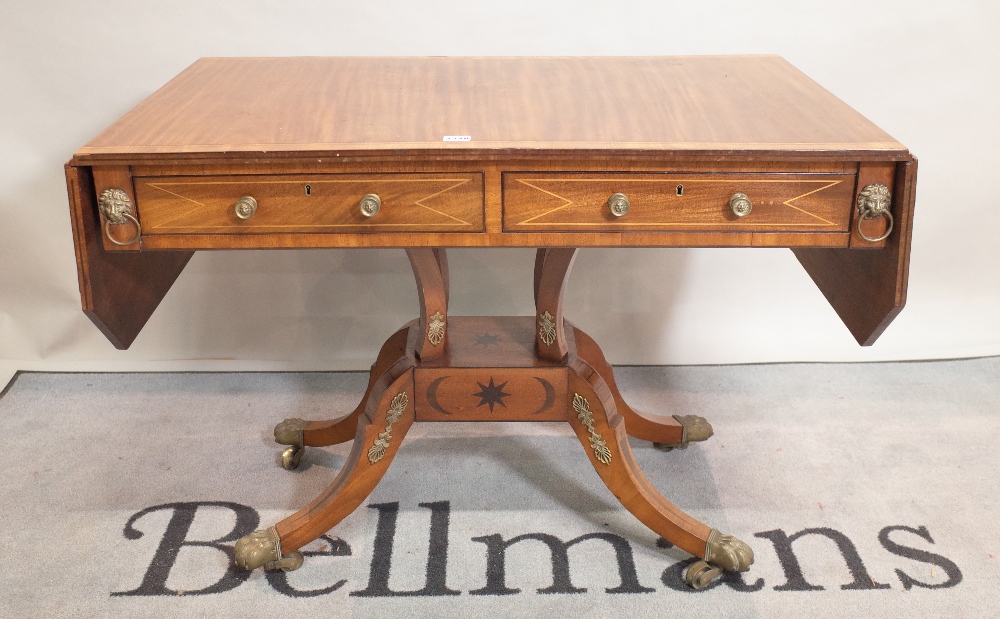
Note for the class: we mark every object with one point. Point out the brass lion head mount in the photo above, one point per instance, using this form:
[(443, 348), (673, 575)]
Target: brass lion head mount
[(874, 200), (115, 204)]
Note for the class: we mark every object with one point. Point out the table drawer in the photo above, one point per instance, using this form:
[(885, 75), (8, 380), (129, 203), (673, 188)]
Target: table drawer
[(578, 202), (310, 203)]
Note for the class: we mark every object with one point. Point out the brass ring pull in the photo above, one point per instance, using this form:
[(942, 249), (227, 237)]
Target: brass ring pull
[(873, 202), (126, 216), (116, 207), (868, 215), (370, 205), (619, 204)]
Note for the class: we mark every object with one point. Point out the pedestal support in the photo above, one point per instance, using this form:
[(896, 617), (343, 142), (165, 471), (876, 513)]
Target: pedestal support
[(493, 369)]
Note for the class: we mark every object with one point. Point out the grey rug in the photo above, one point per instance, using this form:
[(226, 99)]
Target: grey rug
[(865, 491)]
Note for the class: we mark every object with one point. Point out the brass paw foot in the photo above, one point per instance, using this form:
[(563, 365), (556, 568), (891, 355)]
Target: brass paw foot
[(723, 553), (290, 432), (263, 548), (729, 553), (696, 429)]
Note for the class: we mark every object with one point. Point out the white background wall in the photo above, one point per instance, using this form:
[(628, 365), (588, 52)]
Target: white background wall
[(927, 72)]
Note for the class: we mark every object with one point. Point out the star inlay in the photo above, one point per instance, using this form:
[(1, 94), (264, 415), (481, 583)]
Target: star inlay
[(487, 339), (491, 394)]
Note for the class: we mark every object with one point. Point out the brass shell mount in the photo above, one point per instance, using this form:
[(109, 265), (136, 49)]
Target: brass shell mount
[(874, 202), (116, 207), (245, 207), (619, 204), (696, 429), (582, 407), (290, 432), (370, 205), (546, 328), (384, 438), (435, 329), (740, 204), (263, 548)]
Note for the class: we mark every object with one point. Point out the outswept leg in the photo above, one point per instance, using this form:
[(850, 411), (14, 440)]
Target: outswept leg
[(601, 429), (299, 433), (598, 414), (665, 432), (380, 431)]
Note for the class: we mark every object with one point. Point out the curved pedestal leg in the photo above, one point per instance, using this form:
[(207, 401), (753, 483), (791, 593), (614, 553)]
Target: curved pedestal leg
[(602, 431), (665, 432), (299, 433), (380, 431), (430, 269), (552, 267)]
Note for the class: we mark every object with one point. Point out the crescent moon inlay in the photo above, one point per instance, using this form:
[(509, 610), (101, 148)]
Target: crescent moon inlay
[(550, 395), (432, 398)]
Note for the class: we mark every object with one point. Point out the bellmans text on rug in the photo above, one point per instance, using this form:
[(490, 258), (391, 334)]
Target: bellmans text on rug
[(865, 491)]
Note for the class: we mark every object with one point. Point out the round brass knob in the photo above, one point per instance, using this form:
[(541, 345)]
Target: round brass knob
[(740, 204), (370, 205), (245, 207), (619, 204)]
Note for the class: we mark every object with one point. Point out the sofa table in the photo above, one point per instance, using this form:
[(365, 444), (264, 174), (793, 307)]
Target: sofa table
[(549, 153)]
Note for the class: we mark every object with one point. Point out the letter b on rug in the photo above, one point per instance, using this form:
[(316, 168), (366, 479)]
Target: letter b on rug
[(175, 537)]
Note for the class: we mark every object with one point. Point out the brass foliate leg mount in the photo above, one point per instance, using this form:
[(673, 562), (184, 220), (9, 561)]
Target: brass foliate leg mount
[(289, 432), (723, 553), (263, 548), (696, 429)]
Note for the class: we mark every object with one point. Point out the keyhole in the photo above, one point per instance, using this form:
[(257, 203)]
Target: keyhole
[(309, 190), (680, 190)]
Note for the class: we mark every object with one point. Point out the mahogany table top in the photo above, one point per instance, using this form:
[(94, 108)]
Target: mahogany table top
[(654, 105)]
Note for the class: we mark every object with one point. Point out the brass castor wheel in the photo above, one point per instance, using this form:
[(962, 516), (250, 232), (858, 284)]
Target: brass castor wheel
[(287, 563), (700, 574), (290, 457), (665, 447)]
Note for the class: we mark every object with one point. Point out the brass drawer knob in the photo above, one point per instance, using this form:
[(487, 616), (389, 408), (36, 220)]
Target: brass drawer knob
[(245, 207), (740, 204), (370, 205), (619, 204)]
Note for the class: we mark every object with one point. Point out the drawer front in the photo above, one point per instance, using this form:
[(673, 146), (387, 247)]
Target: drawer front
[(310, 203), (578, 202)]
